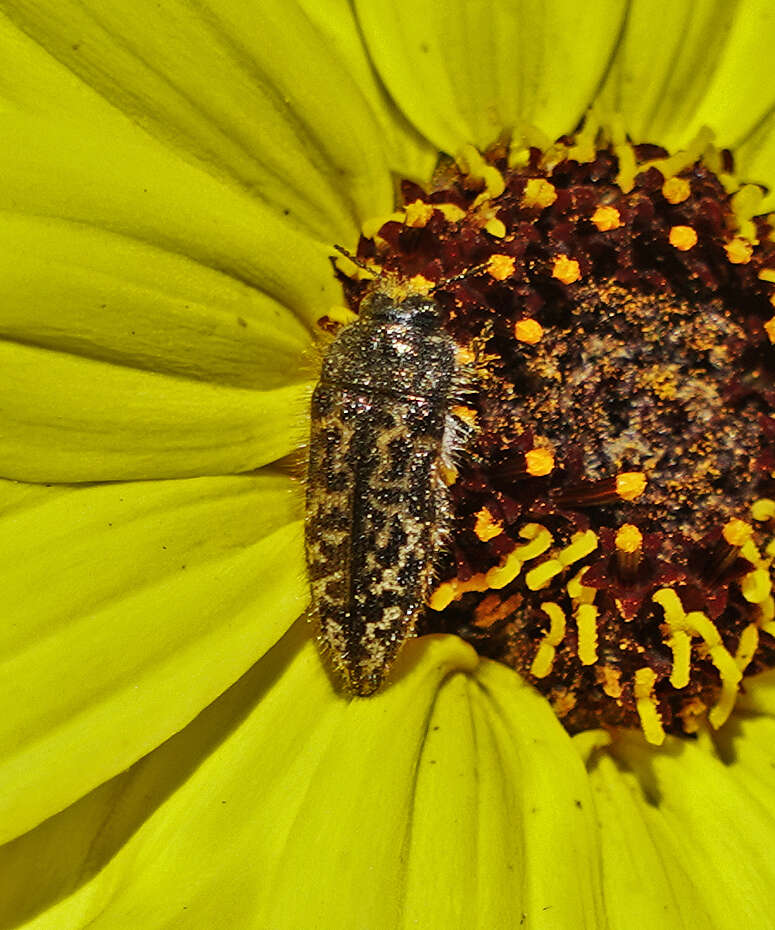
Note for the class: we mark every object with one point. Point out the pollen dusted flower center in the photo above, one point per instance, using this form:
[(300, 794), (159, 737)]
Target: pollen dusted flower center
[(614, 505)]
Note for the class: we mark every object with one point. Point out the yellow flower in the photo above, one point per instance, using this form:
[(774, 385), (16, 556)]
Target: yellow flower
[(172, 753)]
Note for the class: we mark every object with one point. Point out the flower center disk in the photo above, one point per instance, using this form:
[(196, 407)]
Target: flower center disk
[(614, 507)]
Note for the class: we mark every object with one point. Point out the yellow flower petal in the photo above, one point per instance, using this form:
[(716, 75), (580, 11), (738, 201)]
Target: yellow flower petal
[(127, 609), (77, 289), (409, 154), (755, 155), (442, 802), (465, 72), (695, 64), (759, 695), (69, 155), (685, 841), (498, 788), (739, 99), (75, 419), (161, 367), (214, 83)]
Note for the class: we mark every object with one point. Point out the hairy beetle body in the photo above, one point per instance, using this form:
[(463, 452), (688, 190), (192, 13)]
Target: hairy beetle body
[(376, 501)]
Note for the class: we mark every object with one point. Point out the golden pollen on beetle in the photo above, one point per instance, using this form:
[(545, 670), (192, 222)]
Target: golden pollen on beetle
[(466, 414), (610, 531)]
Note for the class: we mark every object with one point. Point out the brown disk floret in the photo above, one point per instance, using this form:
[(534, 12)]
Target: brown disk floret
[(613, 510)]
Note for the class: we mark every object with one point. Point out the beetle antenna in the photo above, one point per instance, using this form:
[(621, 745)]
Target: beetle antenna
[(357, 261), (468, 273)]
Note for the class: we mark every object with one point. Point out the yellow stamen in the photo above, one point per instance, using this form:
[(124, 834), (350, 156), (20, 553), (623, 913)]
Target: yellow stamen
[(629, 543), (495, 227), (539, 193), (472, 162), (447, 592), (452, 212), (578, 592), (746, 203), (696, 622), (680, 645), (503, 574), (540, 576), (756, 586), (580, 546), (747, 646), (606, 218), (539, 462), (529, 331), (627, 165), (586, 622), (629, 538), (769, 327), (749, 552), (487, 527), (538, 541), (646, 705), (765, 615), (676, 190), (611, 680), (630, 484), (542, 663), (739, 251), (725, 664), (669, 601), (566, 269), (683, 238), (737, 532), (501, 267), (418, 214), (763, 509), (768, 275)]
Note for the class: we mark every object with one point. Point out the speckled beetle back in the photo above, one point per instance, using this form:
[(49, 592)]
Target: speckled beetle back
[(375, 500)]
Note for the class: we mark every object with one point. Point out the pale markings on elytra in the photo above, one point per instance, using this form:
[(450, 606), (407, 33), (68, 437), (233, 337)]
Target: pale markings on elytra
[(376, 507)]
